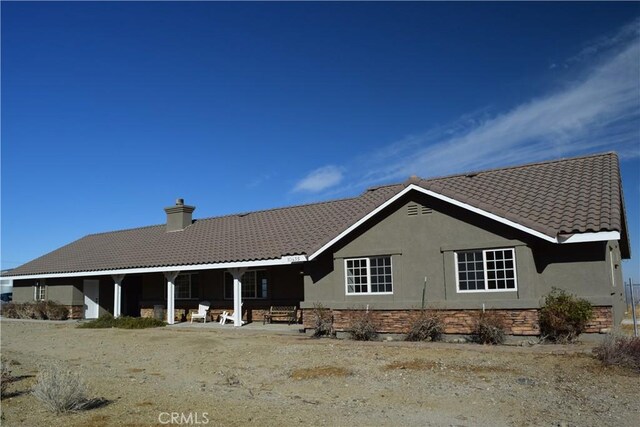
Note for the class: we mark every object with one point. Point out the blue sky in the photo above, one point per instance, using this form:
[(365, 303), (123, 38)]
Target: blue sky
[(111, 110)]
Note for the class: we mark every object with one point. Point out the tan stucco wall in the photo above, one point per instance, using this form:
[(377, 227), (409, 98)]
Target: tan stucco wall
[(424, 245)]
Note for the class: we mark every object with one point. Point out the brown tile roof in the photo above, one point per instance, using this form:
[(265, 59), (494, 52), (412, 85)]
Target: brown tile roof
[(575, 195), (564, 196)]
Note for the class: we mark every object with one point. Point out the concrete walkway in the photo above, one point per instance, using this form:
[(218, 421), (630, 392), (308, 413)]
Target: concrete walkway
[(254, 326)]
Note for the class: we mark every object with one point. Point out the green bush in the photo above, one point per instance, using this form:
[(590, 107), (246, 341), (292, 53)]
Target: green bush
[(322, 321), (427, 327), (619, 350), (138, 323), (108, 321), (104, 321), (564, 316), (362, 327), (489, 330)]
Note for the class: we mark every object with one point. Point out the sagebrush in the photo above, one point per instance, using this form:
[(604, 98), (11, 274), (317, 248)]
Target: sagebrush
[(563, 317), (62, 390), (108, 321), (6, 377), (42, 310), (426, 327), (363, 327), (322, 321), (489, 329), (619, 350)]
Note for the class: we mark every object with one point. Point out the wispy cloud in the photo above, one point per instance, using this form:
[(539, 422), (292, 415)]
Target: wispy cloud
[(320, 179), (624, 35), (598, 111), (601, 112)]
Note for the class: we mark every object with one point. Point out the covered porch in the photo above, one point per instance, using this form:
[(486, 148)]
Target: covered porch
[(248, 292)]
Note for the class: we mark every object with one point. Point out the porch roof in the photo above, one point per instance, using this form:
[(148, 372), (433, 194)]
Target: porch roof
[(563, 197)]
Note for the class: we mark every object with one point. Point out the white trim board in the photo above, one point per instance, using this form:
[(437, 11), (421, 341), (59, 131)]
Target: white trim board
[(286, 260), (573, 238)]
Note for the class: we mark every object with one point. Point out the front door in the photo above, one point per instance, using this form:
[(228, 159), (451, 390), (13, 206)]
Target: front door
[(91, 298)]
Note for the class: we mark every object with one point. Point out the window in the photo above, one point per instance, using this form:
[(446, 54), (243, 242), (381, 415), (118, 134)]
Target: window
[(39, 291), (254, 285), (486, 270), (186, 286), (369, 275)]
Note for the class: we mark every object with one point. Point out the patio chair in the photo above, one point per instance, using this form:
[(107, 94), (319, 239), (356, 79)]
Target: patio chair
[(203, 309), (226, 316)]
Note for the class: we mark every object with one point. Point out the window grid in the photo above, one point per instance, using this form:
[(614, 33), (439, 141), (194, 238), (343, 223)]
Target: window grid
[(39, 292), (249, 284), (490, 270), (183, 286), (251, 287), (369, 275)]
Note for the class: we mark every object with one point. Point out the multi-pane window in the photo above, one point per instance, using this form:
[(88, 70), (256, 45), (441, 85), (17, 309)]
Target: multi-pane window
[(369, 275), (254, 285), (39, 292), (186, 286), (486, 270)]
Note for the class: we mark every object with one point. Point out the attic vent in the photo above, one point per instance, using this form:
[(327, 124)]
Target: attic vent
[(415, 209)]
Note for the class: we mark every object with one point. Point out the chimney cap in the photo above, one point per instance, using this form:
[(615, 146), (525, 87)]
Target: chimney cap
[(179, 202)]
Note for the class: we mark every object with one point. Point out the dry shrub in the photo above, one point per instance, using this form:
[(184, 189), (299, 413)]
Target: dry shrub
[(619, 350), (62, 390), (41, 310), (54, 311), (427, 327), (564, 316), (414, 365), (489, 329), (319, 372), (322, 321), (6, 378), (362, 327), (9, 310)]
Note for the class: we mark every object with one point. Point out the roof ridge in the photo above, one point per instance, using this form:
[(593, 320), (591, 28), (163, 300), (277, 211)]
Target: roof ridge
[(526, 165), (122, 230), (344, 199)]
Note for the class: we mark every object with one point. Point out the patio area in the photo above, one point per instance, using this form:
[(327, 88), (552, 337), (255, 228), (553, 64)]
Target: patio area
[(280, 328)]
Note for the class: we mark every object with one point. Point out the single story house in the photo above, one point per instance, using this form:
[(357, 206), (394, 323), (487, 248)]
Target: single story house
[(496, 240)]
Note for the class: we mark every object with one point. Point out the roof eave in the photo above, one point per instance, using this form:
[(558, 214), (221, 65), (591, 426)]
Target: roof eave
[(285, 260)]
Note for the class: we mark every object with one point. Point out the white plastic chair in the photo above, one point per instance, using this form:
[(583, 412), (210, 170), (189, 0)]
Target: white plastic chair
[(226, 316), (203, 308)]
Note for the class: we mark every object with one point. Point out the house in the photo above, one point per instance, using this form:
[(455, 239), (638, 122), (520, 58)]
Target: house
[(496, 240)]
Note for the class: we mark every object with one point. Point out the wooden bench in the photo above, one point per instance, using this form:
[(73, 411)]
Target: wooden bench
[(288, 313)]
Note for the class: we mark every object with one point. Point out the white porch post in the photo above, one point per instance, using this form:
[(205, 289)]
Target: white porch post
[(117, 294), (171, 293), (237, 294)]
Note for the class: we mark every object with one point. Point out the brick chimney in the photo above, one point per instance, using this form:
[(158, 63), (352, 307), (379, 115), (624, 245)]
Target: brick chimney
[(179, 216)]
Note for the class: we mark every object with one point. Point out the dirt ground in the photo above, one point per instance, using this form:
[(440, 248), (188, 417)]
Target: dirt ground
[(245, 377)]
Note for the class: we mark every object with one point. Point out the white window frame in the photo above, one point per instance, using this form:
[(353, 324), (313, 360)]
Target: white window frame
[(368, 264), (486, 276), (190, 286), (39, 292), (612, 264)]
